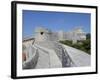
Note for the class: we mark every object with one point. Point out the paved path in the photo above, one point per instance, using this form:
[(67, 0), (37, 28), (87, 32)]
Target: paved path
[(56, 55), (47, 58), (43, 60)]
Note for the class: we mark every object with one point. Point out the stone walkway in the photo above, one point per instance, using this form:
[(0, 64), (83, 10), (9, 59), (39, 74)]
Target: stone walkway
[(79, 57), (43, 60), (47, 58), (56, 55)]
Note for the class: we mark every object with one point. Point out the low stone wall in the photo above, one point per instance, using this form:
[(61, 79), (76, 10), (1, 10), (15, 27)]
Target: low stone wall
[(32, 60), (67, 61)]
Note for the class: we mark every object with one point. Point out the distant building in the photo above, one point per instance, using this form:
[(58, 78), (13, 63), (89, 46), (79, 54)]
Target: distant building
[(43, 34)]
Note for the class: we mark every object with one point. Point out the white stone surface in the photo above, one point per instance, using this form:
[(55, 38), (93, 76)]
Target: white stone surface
[(79, 57), (47, 58), (43, 60), (53, 54)]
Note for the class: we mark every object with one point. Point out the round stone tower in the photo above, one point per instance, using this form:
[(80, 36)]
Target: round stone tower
[(42, 34)]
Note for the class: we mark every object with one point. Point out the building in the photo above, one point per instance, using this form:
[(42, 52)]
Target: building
[(43, 34)]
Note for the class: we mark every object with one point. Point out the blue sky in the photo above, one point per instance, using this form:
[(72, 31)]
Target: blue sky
[(54, 21)]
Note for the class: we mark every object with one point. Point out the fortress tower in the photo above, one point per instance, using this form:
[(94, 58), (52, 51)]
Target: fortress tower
[(42, 34)]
